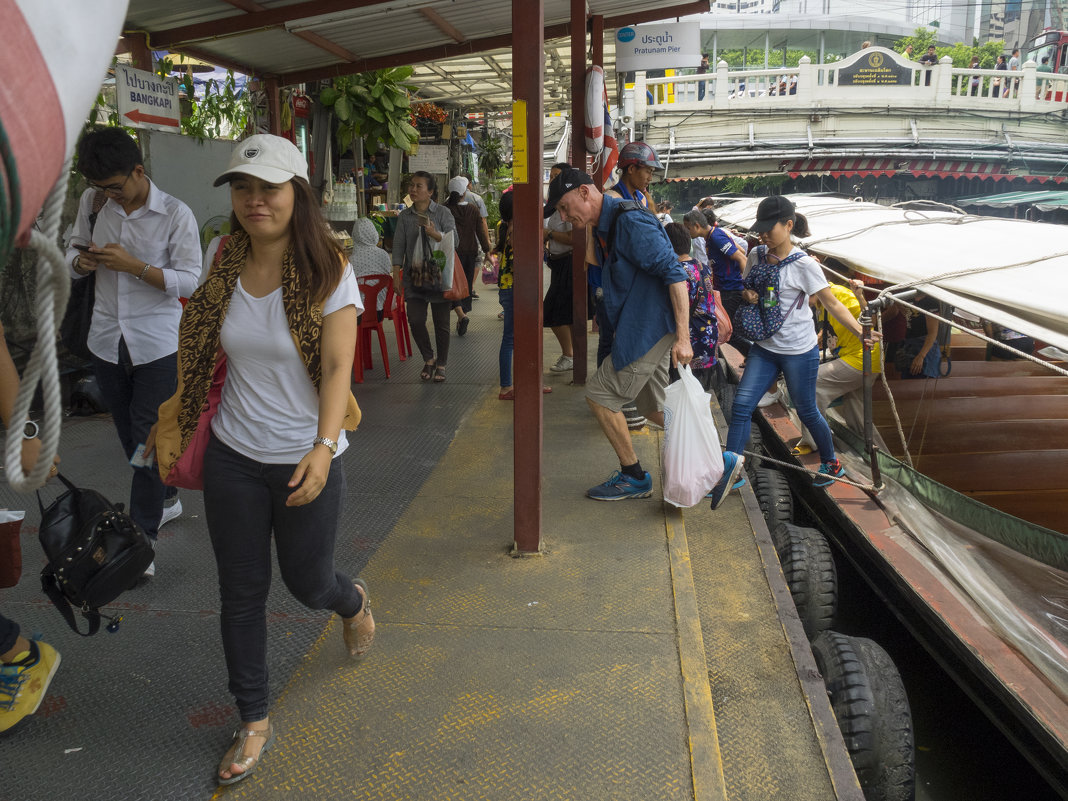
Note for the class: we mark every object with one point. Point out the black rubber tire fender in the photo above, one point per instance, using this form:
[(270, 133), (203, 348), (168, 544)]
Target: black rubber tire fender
[(756, 445), (808, 566), (872, 709), (726, 400), (773, 494)]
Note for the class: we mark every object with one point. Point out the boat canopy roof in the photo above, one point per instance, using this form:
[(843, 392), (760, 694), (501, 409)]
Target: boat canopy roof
[(1044, 200), (1025, 287)]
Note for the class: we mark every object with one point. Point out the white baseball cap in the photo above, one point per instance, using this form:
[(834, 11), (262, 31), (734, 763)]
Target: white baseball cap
[(458, 185), (271, 158)]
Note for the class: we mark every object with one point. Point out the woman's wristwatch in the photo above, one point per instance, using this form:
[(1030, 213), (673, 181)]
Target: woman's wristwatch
[(329, 443), (31, 430)]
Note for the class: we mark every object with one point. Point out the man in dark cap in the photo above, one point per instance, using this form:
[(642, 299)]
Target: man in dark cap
[(647, 304)]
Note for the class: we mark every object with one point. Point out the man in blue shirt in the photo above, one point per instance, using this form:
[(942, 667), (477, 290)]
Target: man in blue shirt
[(647, 304)]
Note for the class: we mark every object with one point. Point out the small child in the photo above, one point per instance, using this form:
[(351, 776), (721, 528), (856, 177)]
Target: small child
[(704, 333)]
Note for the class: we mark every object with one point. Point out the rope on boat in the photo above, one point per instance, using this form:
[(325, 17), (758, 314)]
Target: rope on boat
[(53, 289), (800, 469)]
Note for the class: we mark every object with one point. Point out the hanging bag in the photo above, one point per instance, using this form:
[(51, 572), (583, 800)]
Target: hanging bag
[(95, 553), (693, 458), (491, 269), (78, 316), (459, 289)]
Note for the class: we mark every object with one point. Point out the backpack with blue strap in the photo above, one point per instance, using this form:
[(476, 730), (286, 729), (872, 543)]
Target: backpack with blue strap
[(759, 321)]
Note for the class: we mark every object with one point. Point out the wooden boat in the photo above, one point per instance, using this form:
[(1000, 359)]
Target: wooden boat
[(969, 544)]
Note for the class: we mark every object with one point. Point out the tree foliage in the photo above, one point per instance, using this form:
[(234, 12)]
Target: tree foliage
[(961, 53), (373, 105), (490, 154), (755, 60)]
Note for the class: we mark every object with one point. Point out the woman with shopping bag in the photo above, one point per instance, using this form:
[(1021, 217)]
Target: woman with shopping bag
[(421, 232)]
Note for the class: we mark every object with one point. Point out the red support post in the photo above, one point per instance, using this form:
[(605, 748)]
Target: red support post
[(140, 52), (578, 159), (528, 48)]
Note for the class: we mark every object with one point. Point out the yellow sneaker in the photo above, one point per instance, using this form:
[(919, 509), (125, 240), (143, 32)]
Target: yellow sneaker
[(23, 684)]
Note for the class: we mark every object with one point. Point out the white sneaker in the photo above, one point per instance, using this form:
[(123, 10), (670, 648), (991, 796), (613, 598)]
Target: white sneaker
[(768, 399), (171, 512), (563, 364), (150, 571)]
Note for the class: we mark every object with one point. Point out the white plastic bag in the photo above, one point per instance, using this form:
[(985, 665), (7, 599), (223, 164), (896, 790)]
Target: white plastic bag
[(447, 245), (693, 458)]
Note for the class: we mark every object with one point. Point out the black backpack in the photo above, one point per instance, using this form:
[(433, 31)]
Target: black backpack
[(95, 553)]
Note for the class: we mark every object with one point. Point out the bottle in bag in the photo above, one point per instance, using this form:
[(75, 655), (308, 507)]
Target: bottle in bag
[(770, 298)]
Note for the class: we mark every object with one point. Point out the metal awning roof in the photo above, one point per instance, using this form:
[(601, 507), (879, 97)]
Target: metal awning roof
[(302, 42)]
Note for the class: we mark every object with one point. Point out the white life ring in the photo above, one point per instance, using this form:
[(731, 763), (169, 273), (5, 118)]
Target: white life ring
[(596, 99), (66, 48)]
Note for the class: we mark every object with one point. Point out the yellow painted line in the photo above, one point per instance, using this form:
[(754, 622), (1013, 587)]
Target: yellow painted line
[(706, 761)]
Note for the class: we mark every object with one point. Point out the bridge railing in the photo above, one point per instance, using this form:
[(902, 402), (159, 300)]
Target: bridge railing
[(807, 85)]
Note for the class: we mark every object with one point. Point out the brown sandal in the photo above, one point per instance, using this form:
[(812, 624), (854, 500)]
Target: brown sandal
[(439, 374), (235, 754), (428, 369), (359, 630)]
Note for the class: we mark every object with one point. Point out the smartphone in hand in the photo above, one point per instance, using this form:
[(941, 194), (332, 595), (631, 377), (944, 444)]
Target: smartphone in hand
[(83, 248)]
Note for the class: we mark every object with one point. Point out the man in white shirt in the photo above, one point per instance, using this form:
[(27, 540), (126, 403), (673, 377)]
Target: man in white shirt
[(144, 249)]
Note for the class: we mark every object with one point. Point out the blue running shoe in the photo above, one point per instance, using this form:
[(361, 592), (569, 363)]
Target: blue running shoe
[(736, 486), (732, 466), (620, 487), (828, 469)]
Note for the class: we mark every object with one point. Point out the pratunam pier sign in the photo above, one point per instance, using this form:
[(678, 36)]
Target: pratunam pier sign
[(146, 100), (657, 47)]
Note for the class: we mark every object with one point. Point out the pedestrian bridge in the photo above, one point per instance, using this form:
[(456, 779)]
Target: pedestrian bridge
[(874, 107)]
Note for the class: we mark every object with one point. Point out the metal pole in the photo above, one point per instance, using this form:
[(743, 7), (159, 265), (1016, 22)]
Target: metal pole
[(865, 321), (528, 25), (578, 160)]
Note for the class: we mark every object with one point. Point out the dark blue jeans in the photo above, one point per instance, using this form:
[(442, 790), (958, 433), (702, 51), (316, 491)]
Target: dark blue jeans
[(244, 501), (800, 371), (507, 337), (133, 393)]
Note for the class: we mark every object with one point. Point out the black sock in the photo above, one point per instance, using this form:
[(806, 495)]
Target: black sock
[(633, 470)]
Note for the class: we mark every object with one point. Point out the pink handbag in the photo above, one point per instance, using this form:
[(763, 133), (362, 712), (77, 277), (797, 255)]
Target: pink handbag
[(188, 471), (724, 327)]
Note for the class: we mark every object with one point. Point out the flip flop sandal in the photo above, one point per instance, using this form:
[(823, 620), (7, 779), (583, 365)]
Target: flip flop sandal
[(428, 370), (235, 754), (439, 375)]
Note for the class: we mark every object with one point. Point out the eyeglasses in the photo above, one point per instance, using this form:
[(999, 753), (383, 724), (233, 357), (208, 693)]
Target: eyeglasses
[(111, 189)]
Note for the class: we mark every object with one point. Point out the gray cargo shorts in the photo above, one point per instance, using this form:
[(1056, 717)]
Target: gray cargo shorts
[(641, 381)]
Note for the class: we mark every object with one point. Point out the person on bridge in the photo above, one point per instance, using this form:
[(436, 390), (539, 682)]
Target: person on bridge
[(928, 59), (793, 348), (281, 303), (646, 302), (144, 250)]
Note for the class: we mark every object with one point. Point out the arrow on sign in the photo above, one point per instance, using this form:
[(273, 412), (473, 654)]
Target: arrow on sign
[(139, 116)]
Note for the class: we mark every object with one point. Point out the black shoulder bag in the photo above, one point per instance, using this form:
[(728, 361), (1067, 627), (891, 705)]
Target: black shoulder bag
[(78, 316), (95, 553)]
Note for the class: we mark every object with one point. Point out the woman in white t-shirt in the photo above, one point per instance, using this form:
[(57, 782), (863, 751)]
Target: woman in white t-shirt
[(280, 303), (792, 349)]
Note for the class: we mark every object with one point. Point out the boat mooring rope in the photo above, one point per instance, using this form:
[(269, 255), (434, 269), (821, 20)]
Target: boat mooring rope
[(800, 469), (53, 289)]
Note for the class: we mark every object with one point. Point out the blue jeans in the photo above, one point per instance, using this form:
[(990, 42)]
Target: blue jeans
[(800, 371), (507, 337), (244, 501), (133, 393)]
